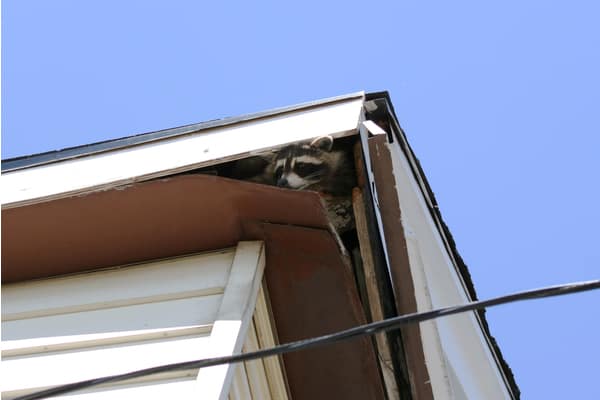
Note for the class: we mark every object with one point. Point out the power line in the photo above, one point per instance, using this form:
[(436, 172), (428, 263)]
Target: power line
[(361, 330)]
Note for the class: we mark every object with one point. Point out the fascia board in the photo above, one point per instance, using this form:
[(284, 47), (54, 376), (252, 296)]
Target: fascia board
[(172, 155), (459, 339), (48, 157), (379, 105)]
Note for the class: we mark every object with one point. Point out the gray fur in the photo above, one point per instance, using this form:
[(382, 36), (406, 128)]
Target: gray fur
[(316, 165)]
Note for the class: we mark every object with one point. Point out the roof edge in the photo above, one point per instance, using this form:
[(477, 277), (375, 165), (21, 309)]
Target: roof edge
[(48, 157), (436, 214)]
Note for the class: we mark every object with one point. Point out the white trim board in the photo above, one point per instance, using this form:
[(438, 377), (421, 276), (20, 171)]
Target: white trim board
[(233, 319), (261, 379), (177, 154)]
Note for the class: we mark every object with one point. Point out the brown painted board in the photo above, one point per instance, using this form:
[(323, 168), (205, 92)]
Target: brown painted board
[(157, 219), (401, 276), (313, 293)]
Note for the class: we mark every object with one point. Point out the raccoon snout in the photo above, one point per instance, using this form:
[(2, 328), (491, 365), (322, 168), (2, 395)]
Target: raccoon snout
[(283, 182), (291, 181)]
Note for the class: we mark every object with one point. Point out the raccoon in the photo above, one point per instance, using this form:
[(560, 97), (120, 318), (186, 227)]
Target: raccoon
[(316, 165), (320, 165)]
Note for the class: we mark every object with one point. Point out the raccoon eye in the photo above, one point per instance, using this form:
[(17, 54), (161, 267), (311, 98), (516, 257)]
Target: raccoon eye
[(306, 169), (278, 173)]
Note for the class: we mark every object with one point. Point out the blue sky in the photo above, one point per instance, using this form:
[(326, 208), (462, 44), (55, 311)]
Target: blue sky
[(500, 101)]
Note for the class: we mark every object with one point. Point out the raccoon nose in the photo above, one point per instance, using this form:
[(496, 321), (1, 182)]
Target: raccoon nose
[(282, 182)]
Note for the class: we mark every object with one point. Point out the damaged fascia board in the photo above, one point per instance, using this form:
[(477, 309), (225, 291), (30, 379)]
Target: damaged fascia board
[(369, 127), (425, 192), (464, 344), (408, 153), (177, 154)]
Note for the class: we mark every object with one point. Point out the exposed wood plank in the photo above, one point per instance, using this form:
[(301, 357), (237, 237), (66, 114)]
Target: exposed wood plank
[(399, 263), (267, 338), (233, 318), (383, 347), (379, 258), (255, 369)]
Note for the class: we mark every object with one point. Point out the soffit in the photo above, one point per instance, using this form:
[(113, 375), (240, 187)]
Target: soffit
[(310, 282), (151, 220)]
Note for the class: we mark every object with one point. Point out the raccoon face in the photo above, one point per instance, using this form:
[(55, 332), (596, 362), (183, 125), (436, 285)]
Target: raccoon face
[(301, 165)]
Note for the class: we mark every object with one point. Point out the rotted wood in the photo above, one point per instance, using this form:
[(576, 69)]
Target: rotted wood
[(376, 310), (368, 235), (401, 277)]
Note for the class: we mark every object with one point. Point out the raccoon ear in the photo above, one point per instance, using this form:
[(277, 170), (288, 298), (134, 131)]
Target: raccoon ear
[(324, 143)]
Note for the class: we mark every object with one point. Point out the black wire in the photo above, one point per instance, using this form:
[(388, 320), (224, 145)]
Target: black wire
[(361, 330)]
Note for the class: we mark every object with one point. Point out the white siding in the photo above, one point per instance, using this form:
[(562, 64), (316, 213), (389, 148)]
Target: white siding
[(61, 330)]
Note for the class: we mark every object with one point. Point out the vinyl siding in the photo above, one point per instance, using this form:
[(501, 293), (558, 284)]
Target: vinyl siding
[(66, 329)]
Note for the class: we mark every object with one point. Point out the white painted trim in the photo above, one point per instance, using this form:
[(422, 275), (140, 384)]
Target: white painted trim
[(433, 352), (373, 128), (240, 387), (49, 369), (190, 312), (233, 318), (24, 347), (177, 154)]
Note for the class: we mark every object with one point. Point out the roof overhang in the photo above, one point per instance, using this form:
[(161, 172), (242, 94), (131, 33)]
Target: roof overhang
[(309, 277), (42, 177), (89, 207)]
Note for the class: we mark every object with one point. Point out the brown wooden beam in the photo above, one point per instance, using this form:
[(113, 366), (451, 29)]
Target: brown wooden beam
[(400, 273)]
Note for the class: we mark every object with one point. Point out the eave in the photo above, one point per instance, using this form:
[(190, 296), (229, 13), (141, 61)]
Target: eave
[(114, 163), (45, 189), (193, 213)]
